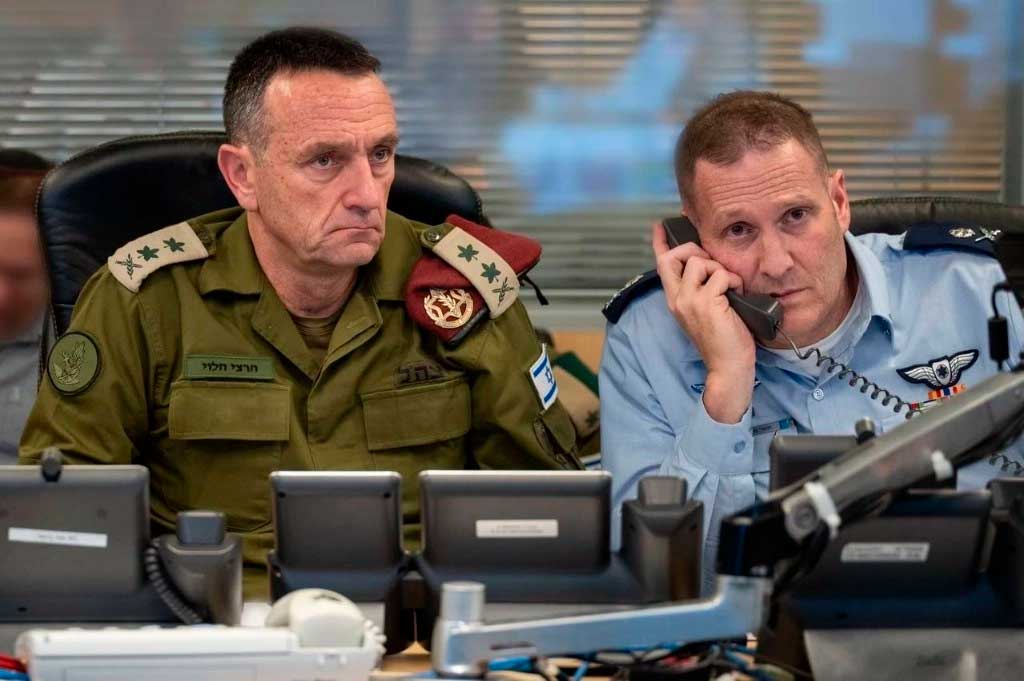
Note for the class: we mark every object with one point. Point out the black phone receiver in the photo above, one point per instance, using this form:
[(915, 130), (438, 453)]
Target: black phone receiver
[(762, 314)]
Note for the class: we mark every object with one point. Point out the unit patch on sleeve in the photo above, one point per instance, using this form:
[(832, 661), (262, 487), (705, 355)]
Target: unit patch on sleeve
[(73, 364)]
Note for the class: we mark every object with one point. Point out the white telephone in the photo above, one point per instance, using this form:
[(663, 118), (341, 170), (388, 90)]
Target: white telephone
[(319, 618)]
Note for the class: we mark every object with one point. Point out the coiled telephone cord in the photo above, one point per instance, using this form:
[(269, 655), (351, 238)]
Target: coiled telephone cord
[(832, 365)]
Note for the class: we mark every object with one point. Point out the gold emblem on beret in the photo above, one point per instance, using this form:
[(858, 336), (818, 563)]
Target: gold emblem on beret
[(961, 232), (448, 309)]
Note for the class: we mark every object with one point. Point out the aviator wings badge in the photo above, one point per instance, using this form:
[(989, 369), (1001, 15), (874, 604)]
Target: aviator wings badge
[(941, 371)]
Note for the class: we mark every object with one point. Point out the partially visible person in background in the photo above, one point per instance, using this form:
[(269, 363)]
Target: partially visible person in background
[(23, 293)]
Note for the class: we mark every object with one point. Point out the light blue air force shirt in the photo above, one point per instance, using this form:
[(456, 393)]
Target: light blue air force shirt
[(922, 308)]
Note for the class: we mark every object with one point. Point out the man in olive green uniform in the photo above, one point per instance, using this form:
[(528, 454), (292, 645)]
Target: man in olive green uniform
[(308, 329)]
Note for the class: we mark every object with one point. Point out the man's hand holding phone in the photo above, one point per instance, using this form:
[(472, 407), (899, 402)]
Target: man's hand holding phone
[(695, 287)]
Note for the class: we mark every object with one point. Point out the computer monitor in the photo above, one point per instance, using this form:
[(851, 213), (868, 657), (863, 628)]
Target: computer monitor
[(539, 542), (330, 520), (545, 521), (794, 457), (917, 563), (342, 531), (71, 549)]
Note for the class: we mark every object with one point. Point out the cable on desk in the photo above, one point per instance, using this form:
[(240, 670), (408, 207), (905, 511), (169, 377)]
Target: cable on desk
[(795, 671)]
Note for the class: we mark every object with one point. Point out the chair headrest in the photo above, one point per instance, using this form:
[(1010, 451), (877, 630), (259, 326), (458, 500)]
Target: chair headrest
[(108, 195), (893, 215)]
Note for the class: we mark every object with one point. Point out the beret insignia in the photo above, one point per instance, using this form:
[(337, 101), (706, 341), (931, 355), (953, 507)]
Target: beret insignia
[(469, 273)]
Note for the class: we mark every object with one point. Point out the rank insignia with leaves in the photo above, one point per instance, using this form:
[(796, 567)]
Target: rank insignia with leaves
[(132, 263), (977, 233), (129, 265), (490, 272), (467, 252), (503, 290)]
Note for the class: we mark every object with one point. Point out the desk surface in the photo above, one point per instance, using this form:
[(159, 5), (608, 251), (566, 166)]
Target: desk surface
[(413, 660)]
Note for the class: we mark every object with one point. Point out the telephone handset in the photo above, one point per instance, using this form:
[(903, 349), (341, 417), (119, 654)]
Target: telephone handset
[(763, 316)]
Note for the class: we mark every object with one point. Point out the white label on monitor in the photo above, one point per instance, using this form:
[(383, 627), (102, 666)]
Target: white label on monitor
[(28, 535), (516, 529), (885, 552)]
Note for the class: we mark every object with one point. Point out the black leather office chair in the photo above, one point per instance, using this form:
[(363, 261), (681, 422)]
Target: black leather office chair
[(894, 214), (104, 197)]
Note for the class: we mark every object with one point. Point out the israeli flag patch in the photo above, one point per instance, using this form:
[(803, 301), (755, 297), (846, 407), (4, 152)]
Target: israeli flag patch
[(544, 379)]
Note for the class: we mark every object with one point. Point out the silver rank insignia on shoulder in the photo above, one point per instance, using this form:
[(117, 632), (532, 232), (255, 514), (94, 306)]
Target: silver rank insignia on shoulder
[(979, 234), (448, 309)]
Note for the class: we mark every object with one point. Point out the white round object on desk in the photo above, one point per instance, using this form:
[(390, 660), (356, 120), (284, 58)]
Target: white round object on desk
[(320, 618)]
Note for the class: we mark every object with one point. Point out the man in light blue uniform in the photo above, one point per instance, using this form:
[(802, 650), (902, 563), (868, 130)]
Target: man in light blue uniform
[(685, 390)]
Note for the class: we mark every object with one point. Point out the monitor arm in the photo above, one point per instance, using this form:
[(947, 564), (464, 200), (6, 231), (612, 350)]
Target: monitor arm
[(752, 544)]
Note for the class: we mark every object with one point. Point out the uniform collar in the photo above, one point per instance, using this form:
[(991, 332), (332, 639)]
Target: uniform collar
[(232, 265), (388, 272), (873, 278), (872, 281)]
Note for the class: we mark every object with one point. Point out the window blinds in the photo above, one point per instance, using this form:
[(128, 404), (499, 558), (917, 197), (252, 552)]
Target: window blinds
[(562, 114)]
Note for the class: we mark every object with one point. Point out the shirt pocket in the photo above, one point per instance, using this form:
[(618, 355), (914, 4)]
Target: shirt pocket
[(232, 434), (888, 423), (762, 434), (413, 429), (557, 437), (418, 415)]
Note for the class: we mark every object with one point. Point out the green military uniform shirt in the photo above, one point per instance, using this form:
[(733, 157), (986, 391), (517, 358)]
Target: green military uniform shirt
[(203, 378)]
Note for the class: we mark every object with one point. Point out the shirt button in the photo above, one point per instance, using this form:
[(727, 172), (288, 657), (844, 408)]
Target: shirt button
[(818, 394), (739, 446)]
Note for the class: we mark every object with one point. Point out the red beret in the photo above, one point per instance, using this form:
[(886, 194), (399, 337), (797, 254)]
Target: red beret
[(447, 302)]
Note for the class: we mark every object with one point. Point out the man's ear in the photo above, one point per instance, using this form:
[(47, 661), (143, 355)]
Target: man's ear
[(840, 199), (236, 165)]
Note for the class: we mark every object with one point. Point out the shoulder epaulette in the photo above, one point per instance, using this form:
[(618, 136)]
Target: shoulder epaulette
[(636, 286), (467, 273), (138, 259), (925, 236)]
